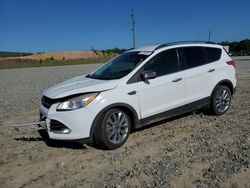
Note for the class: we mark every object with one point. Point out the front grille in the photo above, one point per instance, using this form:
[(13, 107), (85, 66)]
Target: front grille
[(47, 102)]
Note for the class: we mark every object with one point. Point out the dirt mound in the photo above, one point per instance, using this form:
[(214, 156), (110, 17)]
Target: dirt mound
[(63, 55)]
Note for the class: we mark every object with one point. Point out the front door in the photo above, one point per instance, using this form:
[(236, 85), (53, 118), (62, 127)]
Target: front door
[(164, 92)]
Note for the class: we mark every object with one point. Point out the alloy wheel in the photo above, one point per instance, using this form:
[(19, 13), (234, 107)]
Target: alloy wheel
[(117, 127), (222, 101)]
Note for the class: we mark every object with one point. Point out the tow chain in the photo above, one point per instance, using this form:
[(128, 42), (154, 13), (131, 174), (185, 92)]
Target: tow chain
[(40, 125)]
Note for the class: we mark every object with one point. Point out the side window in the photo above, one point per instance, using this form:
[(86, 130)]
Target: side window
[(214, 54), (194, 56), (164, 63)]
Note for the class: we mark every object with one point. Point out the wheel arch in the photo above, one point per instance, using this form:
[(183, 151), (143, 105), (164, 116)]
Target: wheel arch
[(212, 107), (123, 106), (225, 82)]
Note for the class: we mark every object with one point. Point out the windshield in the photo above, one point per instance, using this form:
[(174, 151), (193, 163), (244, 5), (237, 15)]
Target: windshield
[(119, 66)]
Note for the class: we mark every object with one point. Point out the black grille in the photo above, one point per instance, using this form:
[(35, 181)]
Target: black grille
[(42, 118), (56, 126), (47, 102)]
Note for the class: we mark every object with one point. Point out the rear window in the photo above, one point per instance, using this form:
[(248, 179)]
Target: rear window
[(194, 56), (214, 54)]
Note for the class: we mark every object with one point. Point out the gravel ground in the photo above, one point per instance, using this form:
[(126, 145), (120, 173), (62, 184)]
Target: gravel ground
[(193, 150), (21, 89)]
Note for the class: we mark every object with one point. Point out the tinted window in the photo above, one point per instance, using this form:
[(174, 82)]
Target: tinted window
[(194, 56), (213, 54), (164, 63)]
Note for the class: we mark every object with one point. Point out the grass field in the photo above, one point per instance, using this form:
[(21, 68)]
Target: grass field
[(26, 63)]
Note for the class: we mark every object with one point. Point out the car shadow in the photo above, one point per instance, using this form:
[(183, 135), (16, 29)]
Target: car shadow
[(75, 145), (58, 143), (52, 143), (29, 139), (198, 112)]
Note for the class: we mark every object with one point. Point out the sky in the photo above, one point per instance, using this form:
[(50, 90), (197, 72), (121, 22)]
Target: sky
[(70, 25)]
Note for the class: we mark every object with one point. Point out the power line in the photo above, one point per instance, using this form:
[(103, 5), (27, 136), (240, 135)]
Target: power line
[(133, 27), (209, 36)]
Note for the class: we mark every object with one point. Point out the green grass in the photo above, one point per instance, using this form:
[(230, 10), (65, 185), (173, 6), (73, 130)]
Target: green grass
[(26, 63)]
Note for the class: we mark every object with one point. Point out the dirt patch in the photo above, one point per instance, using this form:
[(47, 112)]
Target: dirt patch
[(63, 55)]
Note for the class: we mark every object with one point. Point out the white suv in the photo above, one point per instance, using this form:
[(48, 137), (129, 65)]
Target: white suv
[(137, 88)]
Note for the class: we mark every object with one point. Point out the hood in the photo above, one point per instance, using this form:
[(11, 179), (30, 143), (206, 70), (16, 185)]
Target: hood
[(78, 85)]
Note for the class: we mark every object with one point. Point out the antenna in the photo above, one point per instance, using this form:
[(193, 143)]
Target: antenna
[(133, 27)]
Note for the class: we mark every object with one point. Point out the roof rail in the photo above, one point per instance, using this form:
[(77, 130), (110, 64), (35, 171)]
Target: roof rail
[(183, 42)]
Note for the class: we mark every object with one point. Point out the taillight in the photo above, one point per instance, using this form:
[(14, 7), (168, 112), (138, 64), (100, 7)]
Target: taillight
[(231, 62)]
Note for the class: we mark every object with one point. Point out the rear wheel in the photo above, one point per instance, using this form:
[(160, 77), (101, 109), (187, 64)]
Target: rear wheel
[(113, 129), (221, 100)]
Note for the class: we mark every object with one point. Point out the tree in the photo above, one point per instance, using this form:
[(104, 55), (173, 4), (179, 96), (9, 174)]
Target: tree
[(238, 48)]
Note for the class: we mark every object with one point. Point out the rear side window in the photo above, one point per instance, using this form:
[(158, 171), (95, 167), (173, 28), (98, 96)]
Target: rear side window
[(214, 54), (164, 63), (194, 56)]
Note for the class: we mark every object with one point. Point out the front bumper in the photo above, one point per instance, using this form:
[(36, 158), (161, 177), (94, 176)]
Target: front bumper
[(68, 125)]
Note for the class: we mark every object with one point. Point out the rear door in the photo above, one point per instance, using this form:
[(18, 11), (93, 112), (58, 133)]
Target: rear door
[(198, 73), (166, 91)]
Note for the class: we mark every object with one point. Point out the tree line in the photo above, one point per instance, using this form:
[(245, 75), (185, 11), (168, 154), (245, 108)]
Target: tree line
[(238, 48), (114, 50), (14, 54)]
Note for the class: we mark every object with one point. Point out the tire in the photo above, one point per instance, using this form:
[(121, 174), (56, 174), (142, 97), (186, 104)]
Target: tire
[(221, 100), (113, 129)]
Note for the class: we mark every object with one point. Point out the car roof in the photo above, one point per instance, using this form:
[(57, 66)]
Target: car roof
[(152, 48), (146, 48)]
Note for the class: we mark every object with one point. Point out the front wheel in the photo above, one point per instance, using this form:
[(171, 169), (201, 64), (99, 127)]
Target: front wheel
[(113, 129), (221, 100)]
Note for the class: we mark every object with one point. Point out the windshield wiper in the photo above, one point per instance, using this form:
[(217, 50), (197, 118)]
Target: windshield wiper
[(88, 76), (94, 77)]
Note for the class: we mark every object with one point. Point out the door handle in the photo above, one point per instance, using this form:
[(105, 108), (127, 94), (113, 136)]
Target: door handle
[(177, 80), (211, 70)]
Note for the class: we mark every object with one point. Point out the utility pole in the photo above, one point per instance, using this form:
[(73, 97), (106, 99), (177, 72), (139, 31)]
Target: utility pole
[(209, 36), (133, 27)]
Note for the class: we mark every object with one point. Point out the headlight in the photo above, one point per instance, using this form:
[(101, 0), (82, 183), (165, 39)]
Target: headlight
[(77, 102)]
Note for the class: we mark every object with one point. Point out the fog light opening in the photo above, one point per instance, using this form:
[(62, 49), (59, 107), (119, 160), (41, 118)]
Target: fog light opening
[(66, 131)]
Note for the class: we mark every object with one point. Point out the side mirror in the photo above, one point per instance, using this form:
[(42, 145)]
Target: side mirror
[(148, 74)]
